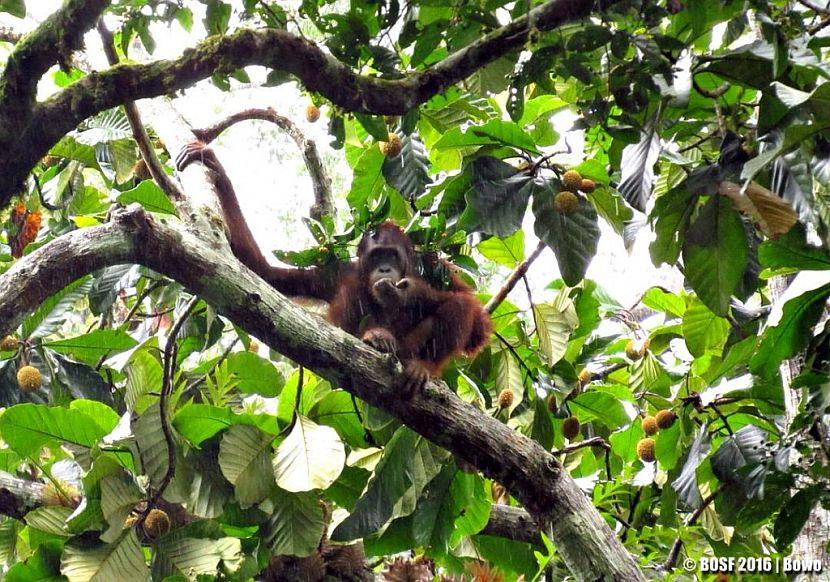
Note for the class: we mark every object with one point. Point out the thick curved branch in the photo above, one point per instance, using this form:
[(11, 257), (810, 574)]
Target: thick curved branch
[(278, 49), (323, 205), (55, 39), (529, 472)]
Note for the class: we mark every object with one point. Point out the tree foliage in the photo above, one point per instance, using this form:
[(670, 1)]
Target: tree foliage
[(706, 127)]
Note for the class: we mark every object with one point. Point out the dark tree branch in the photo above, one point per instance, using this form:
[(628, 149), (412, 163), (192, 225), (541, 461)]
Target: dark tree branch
[(530, 473), (55, 39), (512, 523), (519, 272), (323, 205), (19, 496), (148, 153), (28, 131)]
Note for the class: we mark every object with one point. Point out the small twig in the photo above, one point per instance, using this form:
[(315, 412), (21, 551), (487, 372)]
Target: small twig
[(823, 10), (722, 417), (674, 553), (166, 390), (711, 93), (516, 355), (515, 276), (323, 205), (148, 153), (591, 442), (138, 301)]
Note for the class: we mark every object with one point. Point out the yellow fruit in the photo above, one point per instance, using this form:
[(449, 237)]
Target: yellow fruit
[(312, 113), (392, 146), (587, 185), (632, 351), (645, 449), (505, 398), (500, 494), (141, 171), (585, 376), (130, 521), (253, 346), (49, 161), (29, 378), (570, 428), (650, 426), (8, 343), (157, 523), (68, 495), (665, 418), (566, 203), (572, 180)]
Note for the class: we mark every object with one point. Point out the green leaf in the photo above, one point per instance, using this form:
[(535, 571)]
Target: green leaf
[(794, 514), (611, 206), (122, 560), (497, 198), (93, 346), (194, 557), (374, 125), (367, 179), (506, 133), (245, 461), (408, 172), (337, 410), (671, 215), (51, 314), (14, 7), (703, 330), (573, 237), (504, 251), (715, 254), (554, 324), (792, 333), (256, 375), (792, 251), (104, 416), (662, 300), (199, 422), (296, 525), (70, 148), (152, 445), (50, 519), (599, 406), (150, 196), (310, 457), (28, 427), (217, 17), (118, 498)]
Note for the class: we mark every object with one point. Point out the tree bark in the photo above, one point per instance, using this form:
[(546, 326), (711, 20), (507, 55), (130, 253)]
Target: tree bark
[(529, 472)]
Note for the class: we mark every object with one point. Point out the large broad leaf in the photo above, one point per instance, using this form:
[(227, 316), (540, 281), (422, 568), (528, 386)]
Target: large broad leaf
[(122, 560), (702, 329), (93, 346), (109, 125), (573, 237), (51, 314), (152, 446), (72, 149), (296, 524), (715, 254), (637, 166), (671, 215), (199, 422), (495, 131), (600, 406), (337, 410), (28, 427), (118, 498), (408, 172), (504, 251), (256, 375), (245, 460), (150, 196), (746, 447), (794, 514), (792, 251), (555, 322), (792, 333), (686, 483), (407, 466), (193, 557), (497, 198), (311, 457)]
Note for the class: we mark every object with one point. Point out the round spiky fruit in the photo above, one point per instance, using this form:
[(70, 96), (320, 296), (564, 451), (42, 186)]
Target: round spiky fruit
[(645, 449), (392, 146), (587, 185), (585, 376), (67, 496), (633, 351), (49, 161), (253, 346), (665, 418), (130, 521), (312, 112), (650, 426), (505, 398), (572, 180), (500, 494), (570, 428), (157, 523), (29, 378), (8, 343), (566, 202)]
